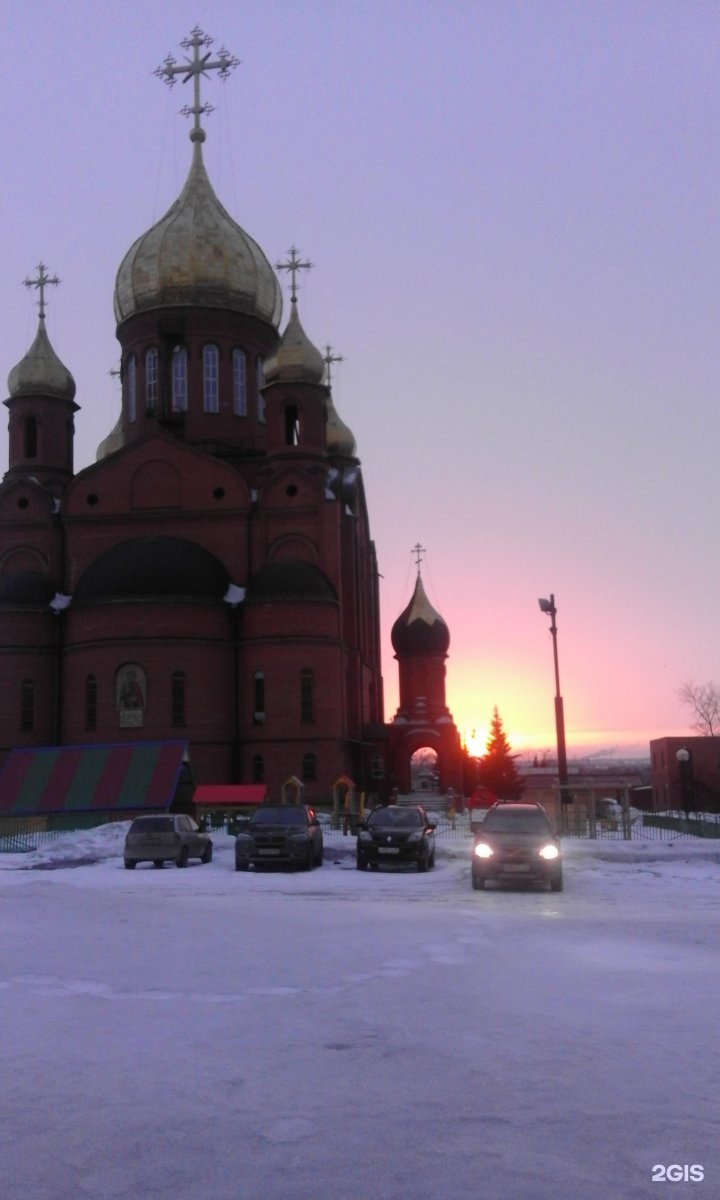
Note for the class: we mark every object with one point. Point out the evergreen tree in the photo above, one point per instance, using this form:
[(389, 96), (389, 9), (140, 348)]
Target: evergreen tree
[(496, 769)]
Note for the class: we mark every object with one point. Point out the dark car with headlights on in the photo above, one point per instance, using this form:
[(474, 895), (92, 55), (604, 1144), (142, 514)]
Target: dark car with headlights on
[(393, 834), (173, 837), (517, 844), (280, 833)]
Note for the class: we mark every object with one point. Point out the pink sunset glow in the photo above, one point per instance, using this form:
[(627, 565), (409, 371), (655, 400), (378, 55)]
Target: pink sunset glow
[(511, 210)]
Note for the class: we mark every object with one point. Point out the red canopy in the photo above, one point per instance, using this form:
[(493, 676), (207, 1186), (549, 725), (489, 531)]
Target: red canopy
[(230, 795)]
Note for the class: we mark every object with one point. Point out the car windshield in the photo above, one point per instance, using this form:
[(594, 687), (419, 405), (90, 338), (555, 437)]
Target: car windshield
[(400, 818), (505, 820), (154, 825), (280, 816)]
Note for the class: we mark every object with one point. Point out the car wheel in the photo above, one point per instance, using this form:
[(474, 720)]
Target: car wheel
[(158, 863), (478, 882), (207, 853), (310, 860), (361, 863), (130, 864), (184, 856), (423, 863), (431, 863), (319, 859), (556, 884)]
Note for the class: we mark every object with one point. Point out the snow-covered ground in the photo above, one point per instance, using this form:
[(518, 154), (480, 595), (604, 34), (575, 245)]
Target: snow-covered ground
[(336, 1035)]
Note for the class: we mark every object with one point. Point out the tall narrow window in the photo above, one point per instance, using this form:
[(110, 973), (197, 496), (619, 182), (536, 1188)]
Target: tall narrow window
[(292, 425), (260, 376), (151, 379), (132, 388), (259, 697), (239, 383), (91, 702), (27, 706), (177, 708), (30, 437), (211, 395), (179, 379), (309, 768), (258, 769), (306, 695)]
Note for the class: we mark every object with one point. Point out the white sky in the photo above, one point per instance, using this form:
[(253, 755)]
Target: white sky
[(213, 1035), (512, 210)]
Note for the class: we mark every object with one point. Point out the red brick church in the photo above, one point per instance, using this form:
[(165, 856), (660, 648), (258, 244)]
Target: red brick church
[(212, 576)]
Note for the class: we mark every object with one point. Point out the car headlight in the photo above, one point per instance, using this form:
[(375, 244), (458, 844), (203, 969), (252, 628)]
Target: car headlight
[(482, 850), (365, 835), (549, 851), (415, 838)]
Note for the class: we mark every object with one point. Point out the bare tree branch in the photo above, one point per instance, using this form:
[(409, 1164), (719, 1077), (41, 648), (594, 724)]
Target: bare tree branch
[(703, 700)]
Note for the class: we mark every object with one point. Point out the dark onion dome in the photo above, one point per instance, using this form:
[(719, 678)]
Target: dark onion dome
[(40, 372), (153, 566), (295, 359), (290, 578), (340, 438), (420, 629), (25, 588), (197, 255)]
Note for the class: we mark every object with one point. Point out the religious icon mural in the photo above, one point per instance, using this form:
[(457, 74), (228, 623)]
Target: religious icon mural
[(130, 691)]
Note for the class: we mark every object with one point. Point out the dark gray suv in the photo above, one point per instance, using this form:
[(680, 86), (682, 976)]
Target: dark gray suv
[(396, 833), (280, 833), (517, 844)]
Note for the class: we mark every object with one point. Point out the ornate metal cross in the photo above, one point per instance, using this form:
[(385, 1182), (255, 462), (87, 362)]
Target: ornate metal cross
[(329, 359), (193, 68), (40, 284), (418, 551), (293, 266)]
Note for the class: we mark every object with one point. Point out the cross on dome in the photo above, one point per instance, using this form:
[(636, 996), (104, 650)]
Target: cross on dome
[(330, 358), (418, 551), (40, 283), (193, 68), (293, 266)]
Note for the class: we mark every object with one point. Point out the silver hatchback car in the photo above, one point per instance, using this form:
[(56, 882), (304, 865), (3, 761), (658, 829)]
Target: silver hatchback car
[(171, 837)]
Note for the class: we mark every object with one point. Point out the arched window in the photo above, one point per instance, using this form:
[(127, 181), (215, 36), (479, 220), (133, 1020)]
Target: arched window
[(257, 768), (309, 768), (91, 702), (179, 379), (30, 438), (132, 388), (259, 697), (239, 383), (292, 425), (307, 697), (260, 383), (27, 706), (177, 704), (211, 395), (151, 379)]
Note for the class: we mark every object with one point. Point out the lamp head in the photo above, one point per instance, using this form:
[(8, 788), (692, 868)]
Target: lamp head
[(683, 755), (546, 606)]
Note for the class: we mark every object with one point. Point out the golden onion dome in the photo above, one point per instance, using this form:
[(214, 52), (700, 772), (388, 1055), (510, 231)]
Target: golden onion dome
[(340, 438), (40, 372), (197, 255), (295, 358)]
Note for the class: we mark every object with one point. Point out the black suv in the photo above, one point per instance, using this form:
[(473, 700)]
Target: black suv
[(280, 833), (516, 844), (396, 834)]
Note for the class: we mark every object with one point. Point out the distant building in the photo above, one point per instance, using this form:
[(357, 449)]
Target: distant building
[(695, 779)]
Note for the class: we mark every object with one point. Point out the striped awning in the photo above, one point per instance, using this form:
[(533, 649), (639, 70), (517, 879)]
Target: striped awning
[(61, 779)]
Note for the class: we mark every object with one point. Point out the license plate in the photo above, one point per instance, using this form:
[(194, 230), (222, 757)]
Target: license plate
[(516, 868), (388, 850), (268, 853)]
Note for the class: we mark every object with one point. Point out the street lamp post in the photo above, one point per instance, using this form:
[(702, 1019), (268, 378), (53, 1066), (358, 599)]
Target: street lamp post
[(548, 606), (686, 785)]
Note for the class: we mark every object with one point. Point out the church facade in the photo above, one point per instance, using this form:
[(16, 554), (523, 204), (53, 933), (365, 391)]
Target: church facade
[(212, 576)]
